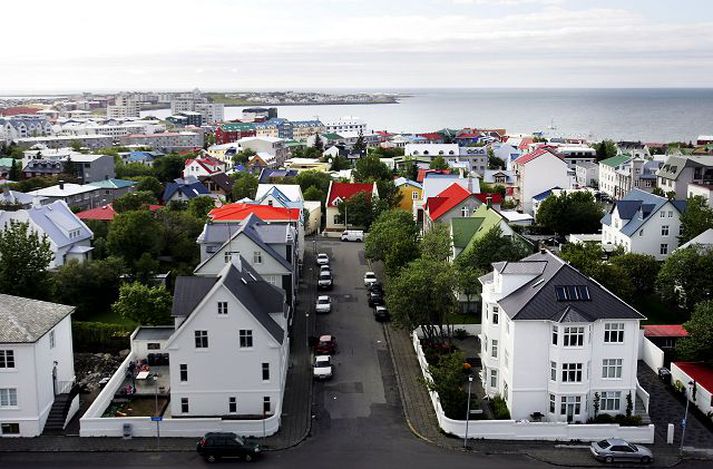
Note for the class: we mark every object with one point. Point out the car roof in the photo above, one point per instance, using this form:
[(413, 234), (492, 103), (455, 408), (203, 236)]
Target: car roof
[(323, 357), (325, 338), (381, 307), (322, 254), (322, 297), (220, 434), (370, 273), (617, 441)]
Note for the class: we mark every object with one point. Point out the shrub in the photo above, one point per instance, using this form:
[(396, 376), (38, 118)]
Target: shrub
[(621, 419), (460, 334), (100, 337), (500, 408)]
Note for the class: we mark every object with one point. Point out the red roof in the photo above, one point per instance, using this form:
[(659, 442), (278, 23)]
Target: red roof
[(105, 212), (665, 330), (18, 110), (495, 197), (421, 175), (525, 142), (432, 136), (446, 200), (210, 164), (346, 190), (240, 211), (524, 159), (700, 373)]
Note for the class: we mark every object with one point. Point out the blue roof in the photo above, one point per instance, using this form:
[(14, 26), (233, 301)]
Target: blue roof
[(268, 173), (638, 207), (140, 156), (189, 187), (543, 195), (280, 196)]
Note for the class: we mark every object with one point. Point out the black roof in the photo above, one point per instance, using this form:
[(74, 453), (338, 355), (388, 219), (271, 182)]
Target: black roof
[(189, 291)]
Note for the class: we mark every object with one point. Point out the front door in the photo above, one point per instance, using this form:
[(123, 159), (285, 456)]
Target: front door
[(54, 379)]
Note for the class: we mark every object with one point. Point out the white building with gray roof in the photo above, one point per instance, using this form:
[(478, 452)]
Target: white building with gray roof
[(556, 342), (36, 366)]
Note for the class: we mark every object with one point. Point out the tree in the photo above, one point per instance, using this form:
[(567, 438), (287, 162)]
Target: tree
[(494, 247), (91, 286), (567, 213), (487, 188), (438, 163), (698, 346), (244, 185), (318, 143), (143, 304), (150, 184), (686, 277), (371, 169), (389, 195), (339, 163), (393, 239), (133, 170), (467, 279), (132, 234), (68, 167), (408, 169), (359, 147), (313, 193), (422, 295), (641, 269), (306, 152), (243, 156), (382, 152), (137, 200), (310, 178), (178, 233), (697, 218), (15, 172), (169, 167), (24, 260), (493, 161), (76, 145), (358, 210), (606, 149), (200, 206), (447, 380), (658, 191), (436, 243)]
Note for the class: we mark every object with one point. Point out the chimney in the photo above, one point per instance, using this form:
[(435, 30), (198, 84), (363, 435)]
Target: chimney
[(489, 201), (61, 184), (470, 184)]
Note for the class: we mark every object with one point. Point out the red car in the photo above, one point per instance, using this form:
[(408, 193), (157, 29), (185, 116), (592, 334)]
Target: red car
[(327, 345)]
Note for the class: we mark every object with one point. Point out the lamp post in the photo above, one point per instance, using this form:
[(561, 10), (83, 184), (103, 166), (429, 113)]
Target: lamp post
[(467, 415), (158, 431), (684, 422)]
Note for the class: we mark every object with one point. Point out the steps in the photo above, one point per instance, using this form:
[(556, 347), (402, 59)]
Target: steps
[(641, 411), (58, 413)]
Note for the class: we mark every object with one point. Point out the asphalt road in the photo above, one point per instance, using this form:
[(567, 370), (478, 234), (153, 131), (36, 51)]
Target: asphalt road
[(358, 422)]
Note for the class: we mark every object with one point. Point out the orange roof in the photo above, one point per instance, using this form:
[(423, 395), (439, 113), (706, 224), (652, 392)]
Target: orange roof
[(664, 330), (446, 200), (240, 211)]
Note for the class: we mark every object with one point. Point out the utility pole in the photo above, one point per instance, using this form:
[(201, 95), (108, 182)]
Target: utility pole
[(467, 415)]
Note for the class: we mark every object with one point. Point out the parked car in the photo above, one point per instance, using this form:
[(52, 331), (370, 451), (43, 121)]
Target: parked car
[(375, 298), (322, 259), (325, 268), (369, 278), (325, 280), (322, 367), (327, 345), (324, 304), (217, 445), (353, 235), (381, 313), (375, 287), (615, 449)]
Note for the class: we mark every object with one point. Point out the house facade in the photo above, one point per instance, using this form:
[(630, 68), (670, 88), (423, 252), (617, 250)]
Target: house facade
[(557, 343), (410, 191), (339, 192), (622, 173), (455, 201), (536, 172), (644, 223), (36, 366), (679, 171)]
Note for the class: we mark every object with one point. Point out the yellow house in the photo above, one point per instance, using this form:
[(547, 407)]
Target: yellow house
[(410, 192)]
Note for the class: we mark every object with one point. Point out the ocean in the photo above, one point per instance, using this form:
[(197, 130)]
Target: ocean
[(650, 115)]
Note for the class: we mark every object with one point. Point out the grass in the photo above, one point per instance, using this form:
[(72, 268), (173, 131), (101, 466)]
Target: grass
[(658, 312), (109, 317), (460, 318)]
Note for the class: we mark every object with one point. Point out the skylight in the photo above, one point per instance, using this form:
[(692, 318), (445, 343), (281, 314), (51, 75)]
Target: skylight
[(572, 293)]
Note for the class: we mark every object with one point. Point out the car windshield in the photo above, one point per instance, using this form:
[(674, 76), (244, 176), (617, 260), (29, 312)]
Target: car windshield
[(240, 440), (323, 301), (632, 446), (325, 275), (603, 444)]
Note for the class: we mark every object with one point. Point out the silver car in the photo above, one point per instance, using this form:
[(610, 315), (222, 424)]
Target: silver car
[(615, 449)]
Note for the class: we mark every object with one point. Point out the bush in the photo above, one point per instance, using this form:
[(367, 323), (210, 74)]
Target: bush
[(460, 334), (100, 337), (621, 419), (500, 408)]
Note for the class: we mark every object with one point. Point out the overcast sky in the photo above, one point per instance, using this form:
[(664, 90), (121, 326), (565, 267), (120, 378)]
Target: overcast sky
[(52, 45)]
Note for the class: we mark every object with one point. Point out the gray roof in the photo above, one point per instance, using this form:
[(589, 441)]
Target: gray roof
[(638, 206), (14, 197), (154, 333), (55, 220), (674, 165), (189, 291), (536, 300), (23, 320)]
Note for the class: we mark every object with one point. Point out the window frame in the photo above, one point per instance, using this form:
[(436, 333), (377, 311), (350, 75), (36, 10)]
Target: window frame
[(245, 339), (7, 359), (232, 405), (265, 371), (185, 405), (183, 372), (10, 396), (570, 332), (572, 370), (201, 338), (612, 368), (612, 334), (222, 308)]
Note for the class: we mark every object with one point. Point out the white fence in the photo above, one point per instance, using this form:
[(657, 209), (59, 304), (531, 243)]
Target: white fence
[(650, 354), (524, 430)]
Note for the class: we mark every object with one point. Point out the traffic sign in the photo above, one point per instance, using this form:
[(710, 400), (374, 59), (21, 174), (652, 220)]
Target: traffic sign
[(156, 418)]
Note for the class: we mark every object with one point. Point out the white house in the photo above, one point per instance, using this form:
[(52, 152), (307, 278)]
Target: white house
[(203, 166), (36, 366), (537, 172), (69, 237), (229, 353), (340, 192), (555, 342), (644, 223)]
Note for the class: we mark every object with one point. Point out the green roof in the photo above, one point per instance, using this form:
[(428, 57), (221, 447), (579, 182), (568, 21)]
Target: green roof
[(489, 219), (332, 136), (7, 162), (293, 143), (463, 230), (237, 126), (113, 183), (615, 161)]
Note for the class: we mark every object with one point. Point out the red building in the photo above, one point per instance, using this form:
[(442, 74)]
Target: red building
[(233, 131)]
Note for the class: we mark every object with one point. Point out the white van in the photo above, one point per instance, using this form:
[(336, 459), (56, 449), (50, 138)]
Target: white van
[(353, 235)]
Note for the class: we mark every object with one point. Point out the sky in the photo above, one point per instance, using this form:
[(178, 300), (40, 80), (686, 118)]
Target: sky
[(80, 45)]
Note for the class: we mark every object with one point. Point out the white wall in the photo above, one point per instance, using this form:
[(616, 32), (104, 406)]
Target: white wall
[(650, 353), (539, 175), (703, 396)]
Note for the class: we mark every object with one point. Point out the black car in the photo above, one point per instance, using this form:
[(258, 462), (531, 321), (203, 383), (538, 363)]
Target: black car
[(375, 286), (214, 446), (376, 298), (381, 314)]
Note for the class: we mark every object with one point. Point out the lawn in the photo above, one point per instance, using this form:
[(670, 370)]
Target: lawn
[(460, 318), (658, 312), (109, 317)]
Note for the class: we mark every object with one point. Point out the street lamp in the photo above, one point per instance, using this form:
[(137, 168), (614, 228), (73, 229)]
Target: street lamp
[(467, 415), (156, 416), (684, 422)]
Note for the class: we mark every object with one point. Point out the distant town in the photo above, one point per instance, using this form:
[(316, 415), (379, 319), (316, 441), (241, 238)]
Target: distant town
[(231, 285)]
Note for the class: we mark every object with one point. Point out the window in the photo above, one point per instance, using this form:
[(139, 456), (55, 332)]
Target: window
[(493, 378), (7, 359), (553, 371), (554, 335), (611, 368), (610, 400), (10, 428), (670, 213), (257, 257), (664, 230), (266, 405), (184, 405), (337, 219), (246, 338), (414, 195), (553, 403), (662, 214), (496, 310), (222, 307), (571, 372), (641, 232), (153, 346), (571, 405), (53, 342), (614, 332), (183, 372), (464, 211), (201, 339), (574, 336), (266, 372), (232, 405), (663, 249), (572, 293), (8, 397), (494, 348), (229, 255)]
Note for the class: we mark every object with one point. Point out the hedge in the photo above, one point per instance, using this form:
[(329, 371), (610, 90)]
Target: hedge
[(100, 337)]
